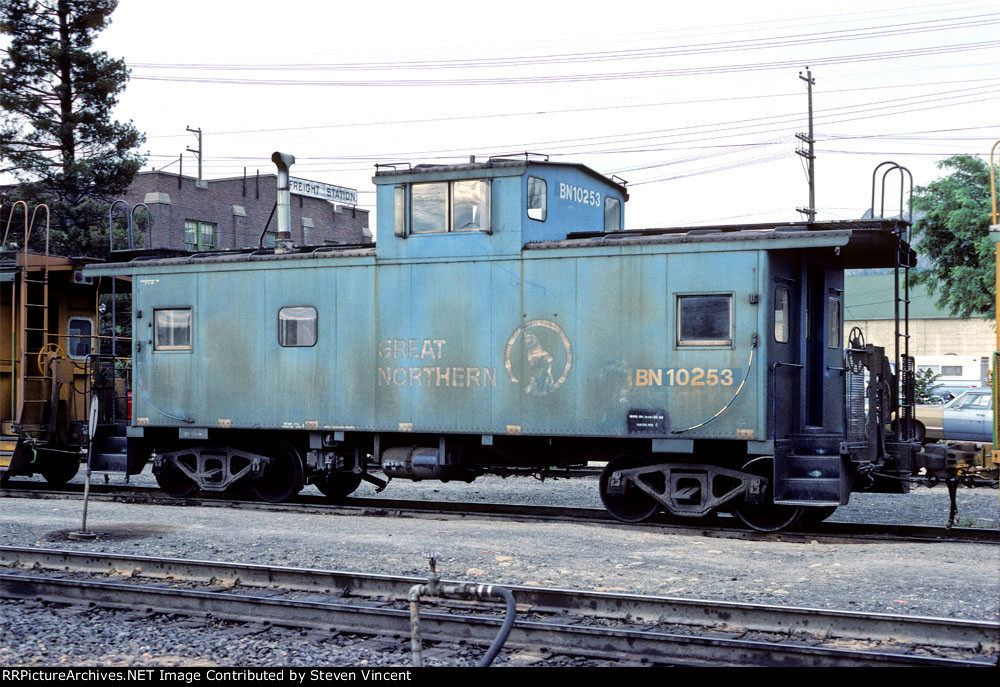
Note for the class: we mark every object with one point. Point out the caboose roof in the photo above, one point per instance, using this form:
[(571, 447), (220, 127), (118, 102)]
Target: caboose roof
[(862, 243)]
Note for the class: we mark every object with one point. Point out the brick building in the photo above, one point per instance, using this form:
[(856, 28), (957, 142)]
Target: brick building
[(219, 214)]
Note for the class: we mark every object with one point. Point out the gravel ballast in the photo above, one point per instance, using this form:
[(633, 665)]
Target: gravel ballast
[(931, 579)]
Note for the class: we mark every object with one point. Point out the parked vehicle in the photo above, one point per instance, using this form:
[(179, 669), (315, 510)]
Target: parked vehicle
[(967, 417), (955, 373)]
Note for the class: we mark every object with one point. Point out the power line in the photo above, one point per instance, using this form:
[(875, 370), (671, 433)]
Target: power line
[(771, 42), (711, 130), (610, 76)]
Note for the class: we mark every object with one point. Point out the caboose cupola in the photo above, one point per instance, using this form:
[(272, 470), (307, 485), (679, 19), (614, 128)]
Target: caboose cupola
[(490, 208)]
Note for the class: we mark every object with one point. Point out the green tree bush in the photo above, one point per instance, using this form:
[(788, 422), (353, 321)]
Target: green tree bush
[(954, 233)]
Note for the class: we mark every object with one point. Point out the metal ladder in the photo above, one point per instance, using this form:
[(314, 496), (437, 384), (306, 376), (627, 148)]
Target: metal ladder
[(33, 387)]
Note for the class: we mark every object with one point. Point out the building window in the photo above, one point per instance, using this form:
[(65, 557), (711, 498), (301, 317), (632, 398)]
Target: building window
[(172, 329), (537, 198), (450, 206), (704, 320), (781, 312), (199, 235), (80, 331), (297, 326), (612, 214), (951, 370)]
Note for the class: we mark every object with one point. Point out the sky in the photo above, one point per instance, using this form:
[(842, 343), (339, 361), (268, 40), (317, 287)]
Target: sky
[(695, 105)]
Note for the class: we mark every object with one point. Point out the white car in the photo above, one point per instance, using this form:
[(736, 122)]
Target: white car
[(968, 417)]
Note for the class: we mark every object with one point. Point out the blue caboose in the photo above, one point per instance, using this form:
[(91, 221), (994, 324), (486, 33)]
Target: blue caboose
[(505, 321)]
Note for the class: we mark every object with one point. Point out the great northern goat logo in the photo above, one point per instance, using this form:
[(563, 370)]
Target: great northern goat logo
[(538, 357)]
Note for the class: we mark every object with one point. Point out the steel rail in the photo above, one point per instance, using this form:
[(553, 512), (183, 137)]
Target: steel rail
[(723, 528), (650, 644), (940, 632)]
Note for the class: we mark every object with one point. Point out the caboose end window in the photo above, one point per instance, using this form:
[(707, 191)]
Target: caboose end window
[(80, 331), (704, 320), (537, 198), (612, 214), (781, 312), (835, 338), (172, 330)]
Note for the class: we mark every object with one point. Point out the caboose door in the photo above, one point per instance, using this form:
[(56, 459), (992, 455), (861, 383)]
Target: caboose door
[(824, 366), (815, 344)]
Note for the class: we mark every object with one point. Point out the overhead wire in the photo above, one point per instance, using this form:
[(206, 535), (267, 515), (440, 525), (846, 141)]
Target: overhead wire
[(707, 131), (602, 76), (770, 42)]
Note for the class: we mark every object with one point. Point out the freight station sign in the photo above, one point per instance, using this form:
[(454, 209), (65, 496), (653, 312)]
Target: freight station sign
[(315, 189)]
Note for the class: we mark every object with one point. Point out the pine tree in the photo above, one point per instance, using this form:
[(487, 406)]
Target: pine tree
[(57, 134)]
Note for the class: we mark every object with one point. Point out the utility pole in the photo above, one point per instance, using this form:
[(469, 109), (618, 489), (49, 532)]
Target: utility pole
[(197, 152), (810, 154)]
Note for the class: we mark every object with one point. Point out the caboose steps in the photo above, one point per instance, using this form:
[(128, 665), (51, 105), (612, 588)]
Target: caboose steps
[(818, 443), (810, 471), (110, 454)]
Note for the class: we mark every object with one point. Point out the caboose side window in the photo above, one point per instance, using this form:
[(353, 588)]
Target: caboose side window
[(297, 326), (704, 320), (440, 207), (537, 198), (430, 207), (172, 329), (470, 205)]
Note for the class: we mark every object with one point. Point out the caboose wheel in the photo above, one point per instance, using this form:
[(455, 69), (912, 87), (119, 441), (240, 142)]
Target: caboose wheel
[(628, 502), (811, 516), (282, 477), (174, 482), (57, 467), (766, 516), (339, 485)]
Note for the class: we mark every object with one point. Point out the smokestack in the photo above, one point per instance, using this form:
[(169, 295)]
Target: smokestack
[(283, 241)]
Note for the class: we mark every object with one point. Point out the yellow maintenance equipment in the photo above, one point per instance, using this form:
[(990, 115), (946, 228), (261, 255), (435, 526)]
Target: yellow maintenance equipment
[(995, 235)]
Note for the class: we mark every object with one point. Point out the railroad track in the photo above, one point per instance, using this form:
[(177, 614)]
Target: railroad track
[(598, 626), (718, 527)]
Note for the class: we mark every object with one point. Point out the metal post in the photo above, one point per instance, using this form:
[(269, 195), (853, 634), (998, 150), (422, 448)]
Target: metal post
[(91, 431)]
